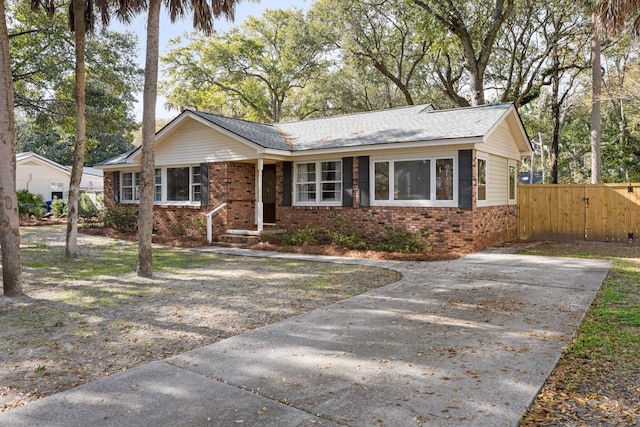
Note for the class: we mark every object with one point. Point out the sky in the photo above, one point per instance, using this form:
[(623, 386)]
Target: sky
[(169, 30)]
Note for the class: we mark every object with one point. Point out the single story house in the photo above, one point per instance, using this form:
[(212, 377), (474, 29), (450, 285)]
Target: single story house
[(39, 175), (452, 172)]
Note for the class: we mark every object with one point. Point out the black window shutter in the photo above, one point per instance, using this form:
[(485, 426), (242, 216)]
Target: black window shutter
[(116, 186), (286, 183), (347, 181), (465, 179), (363, 180), (204, 184)]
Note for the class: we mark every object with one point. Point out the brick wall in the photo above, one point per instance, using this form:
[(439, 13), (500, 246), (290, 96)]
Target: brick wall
[(235, 184), (109, 202), (495, 224)]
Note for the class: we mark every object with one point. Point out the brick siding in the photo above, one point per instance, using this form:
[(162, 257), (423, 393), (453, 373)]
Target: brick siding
[(235, 184)]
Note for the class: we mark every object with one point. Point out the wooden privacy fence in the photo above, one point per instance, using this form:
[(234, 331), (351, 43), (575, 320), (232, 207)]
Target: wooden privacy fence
[(599, 212)]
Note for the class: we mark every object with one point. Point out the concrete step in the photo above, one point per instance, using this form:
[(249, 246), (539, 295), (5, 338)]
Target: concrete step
[(237, 240)]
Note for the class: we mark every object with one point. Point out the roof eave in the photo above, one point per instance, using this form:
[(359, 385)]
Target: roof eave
[(390, 146)]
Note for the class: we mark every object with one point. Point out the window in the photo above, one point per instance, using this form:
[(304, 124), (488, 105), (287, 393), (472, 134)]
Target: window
[(319, 183), (411, 180), (196, 188), (444, 179), (157, 189), (130, 187), (418, 182), (482, 179), (512, 182), (181, 184)]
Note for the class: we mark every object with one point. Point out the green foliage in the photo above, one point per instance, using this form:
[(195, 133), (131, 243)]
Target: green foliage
[(30, 204), (86, 207), (300, 237), (59, 208), (404, 242), (194, 227), (43, 70), (251, 71), (123, 218), (347, 236)]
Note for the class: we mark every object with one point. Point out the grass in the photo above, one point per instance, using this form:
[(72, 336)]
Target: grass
[(597, 380)]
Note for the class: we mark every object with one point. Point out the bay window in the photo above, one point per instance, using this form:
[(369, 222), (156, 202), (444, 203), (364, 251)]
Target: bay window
[(421, 182), (318, 183)]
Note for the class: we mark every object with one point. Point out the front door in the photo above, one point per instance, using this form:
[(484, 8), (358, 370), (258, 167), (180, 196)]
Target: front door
[(269, 194)]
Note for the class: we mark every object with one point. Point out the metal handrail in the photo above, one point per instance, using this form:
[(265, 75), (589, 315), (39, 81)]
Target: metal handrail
[(209, 224)]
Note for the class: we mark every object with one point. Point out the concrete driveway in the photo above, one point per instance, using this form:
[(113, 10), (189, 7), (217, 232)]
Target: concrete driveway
[(465, 342)]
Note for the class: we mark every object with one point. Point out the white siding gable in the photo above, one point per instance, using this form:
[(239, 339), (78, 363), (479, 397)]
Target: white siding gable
[(500, 142), (194, 143), (37, 178)]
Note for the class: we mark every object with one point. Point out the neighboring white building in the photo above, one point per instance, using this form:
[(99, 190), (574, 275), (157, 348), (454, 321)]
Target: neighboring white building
[(39, 175)]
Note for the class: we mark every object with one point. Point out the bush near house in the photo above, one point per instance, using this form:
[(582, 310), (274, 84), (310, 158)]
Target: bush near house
[(30, 205), (59, 208), (122, 218), (346, 236)]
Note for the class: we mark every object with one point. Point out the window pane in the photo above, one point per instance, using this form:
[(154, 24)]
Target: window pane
[(331, 171), (482, 179), (382, 181), (196, 194), (306, 172), (444, 179), (306, 192), (157, 193), (331, 192), (127, 179), (178, 184), (512, 182), (411, 180)]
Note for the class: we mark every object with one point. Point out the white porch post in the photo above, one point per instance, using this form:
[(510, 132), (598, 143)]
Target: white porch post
[(259, 204)]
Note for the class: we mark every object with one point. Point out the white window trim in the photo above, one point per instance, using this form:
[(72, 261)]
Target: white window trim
[(515, 183), (163, 175), (318, 182), (432, 178), (133, 187), (484, 202)]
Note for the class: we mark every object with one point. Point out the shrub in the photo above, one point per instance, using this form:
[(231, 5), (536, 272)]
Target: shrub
[(347, 236), (300, 237), (30, 204), (59, 208), (194, 227), (405, 242), (86, 207), (122, 218)]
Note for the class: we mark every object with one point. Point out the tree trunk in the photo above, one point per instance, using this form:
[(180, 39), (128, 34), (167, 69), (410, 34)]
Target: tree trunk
[(555, 115), (477, 86), (9, 223), (147, 167), (555, 139), (596, 88), (79, 28)]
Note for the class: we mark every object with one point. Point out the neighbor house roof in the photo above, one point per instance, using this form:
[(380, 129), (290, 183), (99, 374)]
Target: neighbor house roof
[(398, 125), (21, 157)]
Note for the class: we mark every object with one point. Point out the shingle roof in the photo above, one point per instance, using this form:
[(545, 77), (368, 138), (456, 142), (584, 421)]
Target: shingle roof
[(406, 124), (266, 136)]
